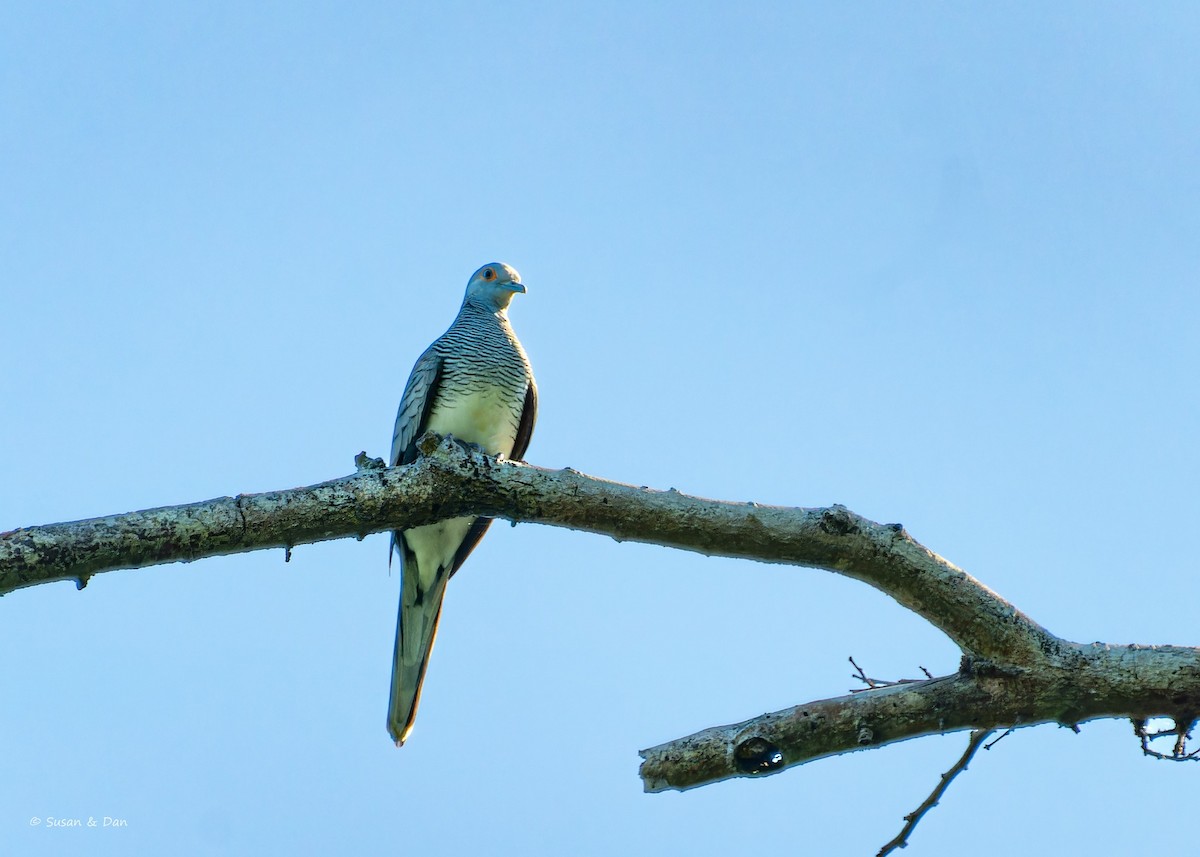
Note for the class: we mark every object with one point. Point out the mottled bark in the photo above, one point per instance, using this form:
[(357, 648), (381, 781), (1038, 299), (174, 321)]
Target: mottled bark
[(1078, 683), (1014, 672)]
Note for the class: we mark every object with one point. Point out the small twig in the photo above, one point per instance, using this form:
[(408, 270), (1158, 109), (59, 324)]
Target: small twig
[(1166, 733), (990, 744), (913, 818), (1182, 732), (872, 683), (861, 676)]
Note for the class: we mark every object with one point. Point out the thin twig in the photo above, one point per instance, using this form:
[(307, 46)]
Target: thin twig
[(990, 744), (872, 683), (862, 676), (913, 818), (1166, 733)]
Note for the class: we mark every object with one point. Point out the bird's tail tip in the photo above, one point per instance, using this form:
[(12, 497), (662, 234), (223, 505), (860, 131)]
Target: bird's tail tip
[(398, 737)]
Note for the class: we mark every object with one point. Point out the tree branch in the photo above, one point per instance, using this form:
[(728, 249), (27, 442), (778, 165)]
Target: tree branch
[(1097, 681), (1014, 671), (450, 481)]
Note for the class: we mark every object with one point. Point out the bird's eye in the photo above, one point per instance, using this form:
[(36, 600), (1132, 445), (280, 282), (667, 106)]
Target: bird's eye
[(489, 274)]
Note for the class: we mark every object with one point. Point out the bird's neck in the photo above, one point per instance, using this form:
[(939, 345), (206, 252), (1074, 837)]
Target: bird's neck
[(500, 312)]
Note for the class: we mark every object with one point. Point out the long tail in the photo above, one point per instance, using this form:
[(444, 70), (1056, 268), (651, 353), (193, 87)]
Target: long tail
[(416, 629)]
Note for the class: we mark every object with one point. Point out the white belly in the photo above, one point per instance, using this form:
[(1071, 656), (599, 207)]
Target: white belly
[(481, 417)]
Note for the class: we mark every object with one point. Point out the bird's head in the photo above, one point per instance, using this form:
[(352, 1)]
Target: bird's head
[(493, 286)]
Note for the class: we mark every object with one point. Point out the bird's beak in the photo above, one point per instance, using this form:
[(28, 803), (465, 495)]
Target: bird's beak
[(517, 287)]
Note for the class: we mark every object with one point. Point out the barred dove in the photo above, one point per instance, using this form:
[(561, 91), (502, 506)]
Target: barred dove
[(475, 383)]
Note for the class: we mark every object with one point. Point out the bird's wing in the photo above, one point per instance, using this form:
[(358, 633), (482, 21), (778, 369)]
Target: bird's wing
[(413, 416), (525, 426), (420, 393)]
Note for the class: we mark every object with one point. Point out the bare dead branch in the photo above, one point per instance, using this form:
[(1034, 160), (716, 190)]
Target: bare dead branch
[(1099, 681), (450, 480)]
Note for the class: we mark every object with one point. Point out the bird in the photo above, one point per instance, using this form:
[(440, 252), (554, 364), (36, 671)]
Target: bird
[(474, 382)]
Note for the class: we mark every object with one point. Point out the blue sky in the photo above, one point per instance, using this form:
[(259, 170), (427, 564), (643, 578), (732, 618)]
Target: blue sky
[(935, 262)]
